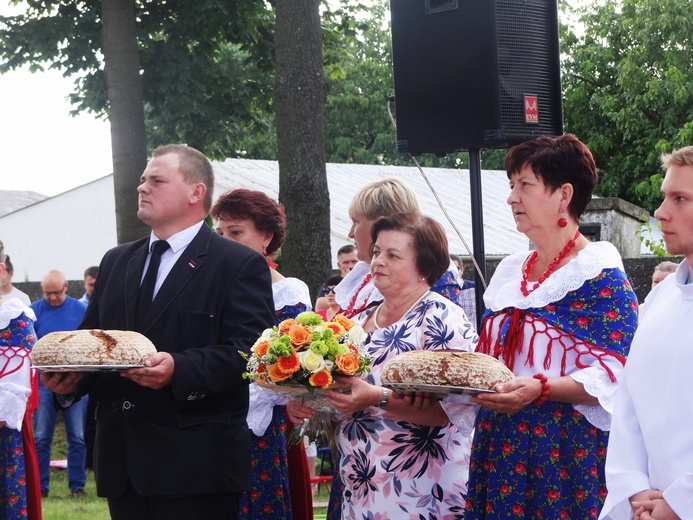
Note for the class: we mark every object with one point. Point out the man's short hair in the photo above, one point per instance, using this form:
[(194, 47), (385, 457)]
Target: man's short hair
[(194, 166), (91, 271), (345, 250), (681, 157)]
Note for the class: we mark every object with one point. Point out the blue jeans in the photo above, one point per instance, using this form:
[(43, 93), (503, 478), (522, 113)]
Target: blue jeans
[(44, 427)]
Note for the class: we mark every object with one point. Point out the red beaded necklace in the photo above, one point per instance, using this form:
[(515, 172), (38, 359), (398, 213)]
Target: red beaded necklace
[(550, 269)]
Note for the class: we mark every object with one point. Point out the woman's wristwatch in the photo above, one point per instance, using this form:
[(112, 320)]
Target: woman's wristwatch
[(383, 400)]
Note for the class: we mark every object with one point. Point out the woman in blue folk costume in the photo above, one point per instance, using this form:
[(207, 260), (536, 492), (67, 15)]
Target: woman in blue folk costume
[(20, 494), (561, 318), (255, 220)]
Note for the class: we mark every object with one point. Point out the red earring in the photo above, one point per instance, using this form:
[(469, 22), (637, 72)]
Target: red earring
[(562, 222)]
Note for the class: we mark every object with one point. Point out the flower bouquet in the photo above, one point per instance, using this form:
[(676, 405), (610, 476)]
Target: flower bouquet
[(301, 356)]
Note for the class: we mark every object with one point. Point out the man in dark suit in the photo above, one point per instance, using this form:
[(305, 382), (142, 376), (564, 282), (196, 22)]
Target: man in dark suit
[(172, 440)]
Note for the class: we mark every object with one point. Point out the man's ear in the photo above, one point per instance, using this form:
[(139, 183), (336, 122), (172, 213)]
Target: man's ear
[(198, 193)]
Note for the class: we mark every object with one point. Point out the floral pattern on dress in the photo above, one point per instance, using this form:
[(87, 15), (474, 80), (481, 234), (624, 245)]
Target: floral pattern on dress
[(449, 287), (19, 335), (389, 467), (548, 461), (269, 495)]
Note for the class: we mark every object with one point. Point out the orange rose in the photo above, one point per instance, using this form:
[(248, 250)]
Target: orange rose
[(288, 364), (321, 379), (285, 325), (347, 364), (276, 375), (299, 336), (260, 349), (335, 327), (343, 321)]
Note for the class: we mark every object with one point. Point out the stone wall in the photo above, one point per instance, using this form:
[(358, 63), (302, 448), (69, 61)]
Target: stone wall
[(614, 220)]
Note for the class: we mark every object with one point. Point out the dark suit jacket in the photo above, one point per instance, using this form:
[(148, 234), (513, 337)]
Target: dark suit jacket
[(191, 437)]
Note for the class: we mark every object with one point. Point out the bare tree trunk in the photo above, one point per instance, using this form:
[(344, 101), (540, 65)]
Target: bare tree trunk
[(128, 135), (299, 108)]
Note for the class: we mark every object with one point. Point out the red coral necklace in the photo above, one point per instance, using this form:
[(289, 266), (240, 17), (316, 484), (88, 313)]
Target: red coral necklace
[(550, 269)]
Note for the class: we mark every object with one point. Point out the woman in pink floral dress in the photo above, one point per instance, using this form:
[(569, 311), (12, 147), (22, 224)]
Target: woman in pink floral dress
[(401, 459)]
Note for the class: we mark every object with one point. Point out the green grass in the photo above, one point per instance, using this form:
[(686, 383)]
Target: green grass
[(319, 513), (59, 505)]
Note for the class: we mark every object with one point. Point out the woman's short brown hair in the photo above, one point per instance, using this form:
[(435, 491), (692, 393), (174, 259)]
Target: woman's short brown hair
[(556, 161), (430, 242), (266, 214)]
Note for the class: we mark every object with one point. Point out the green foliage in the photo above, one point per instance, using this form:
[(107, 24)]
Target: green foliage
[(648, 190), (206, 65), (628, 89), (208, 72), (658, 247), (59, 505)]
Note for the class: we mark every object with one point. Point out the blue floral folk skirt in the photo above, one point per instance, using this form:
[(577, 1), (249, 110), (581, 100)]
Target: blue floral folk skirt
[(269, 496), (543, 462)]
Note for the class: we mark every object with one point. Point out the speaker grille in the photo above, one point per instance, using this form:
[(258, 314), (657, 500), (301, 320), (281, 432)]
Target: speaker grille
[(526, 52), (462, 70)]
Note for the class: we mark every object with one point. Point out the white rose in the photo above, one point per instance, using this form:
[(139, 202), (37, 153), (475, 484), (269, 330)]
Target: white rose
[(357, 335), (311, 361)]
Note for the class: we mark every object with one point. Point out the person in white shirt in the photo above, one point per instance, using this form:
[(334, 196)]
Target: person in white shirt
[(7, 290), (649, 465)]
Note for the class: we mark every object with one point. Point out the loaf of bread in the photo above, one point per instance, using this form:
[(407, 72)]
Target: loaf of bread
[(446, 368), (92, 347)]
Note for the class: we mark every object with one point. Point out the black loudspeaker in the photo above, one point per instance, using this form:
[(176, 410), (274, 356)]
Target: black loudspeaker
[(475, 73)]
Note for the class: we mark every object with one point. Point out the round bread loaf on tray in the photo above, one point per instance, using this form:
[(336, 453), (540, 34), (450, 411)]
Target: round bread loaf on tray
[(446, 368), (92, 347)]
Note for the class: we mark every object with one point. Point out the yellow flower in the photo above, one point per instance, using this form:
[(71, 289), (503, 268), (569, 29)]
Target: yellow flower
[(337, 328)]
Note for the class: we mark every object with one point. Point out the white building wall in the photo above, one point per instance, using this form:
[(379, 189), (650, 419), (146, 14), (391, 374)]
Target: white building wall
[(73, 230), (68, 232)]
